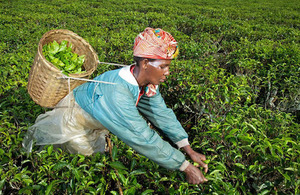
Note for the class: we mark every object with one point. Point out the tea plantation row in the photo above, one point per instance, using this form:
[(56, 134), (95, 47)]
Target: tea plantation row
[(234, 87)]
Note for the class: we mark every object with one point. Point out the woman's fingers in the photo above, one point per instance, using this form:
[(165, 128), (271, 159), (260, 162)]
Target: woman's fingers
[(202, 157), (199, 158), (194, 175), (205, 166)]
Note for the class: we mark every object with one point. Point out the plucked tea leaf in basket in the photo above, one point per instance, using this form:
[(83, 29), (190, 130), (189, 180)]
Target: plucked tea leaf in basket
[(61, 56)]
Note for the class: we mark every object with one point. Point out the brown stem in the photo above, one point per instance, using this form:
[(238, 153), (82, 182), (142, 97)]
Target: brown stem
[(116, 171)]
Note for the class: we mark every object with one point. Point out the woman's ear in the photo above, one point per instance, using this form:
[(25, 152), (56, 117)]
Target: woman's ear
[(145, 63)]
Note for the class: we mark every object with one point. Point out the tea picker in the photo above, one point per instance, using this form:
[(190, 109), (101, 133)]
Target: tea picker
[(119, 101)]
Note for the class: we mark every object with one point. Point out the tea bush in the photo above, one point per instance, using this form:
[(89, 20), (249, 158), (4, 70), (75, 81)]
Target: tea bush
[(234, 88)]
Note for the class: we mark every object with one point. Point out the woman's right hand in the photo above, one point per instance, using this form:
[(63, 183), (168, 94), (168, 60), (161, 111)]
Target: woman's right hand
[(194, 175)]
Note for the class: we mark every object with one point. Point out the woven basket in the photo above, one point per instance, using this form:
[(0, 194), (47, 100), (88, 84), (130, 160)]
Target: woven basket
[(44, 86)]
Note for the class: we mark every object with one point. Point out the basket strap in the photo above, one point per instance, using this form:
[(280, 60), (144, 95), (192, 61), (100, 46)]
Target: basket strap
[(69, 85), (82, 79), (89, 80), (114, 64)]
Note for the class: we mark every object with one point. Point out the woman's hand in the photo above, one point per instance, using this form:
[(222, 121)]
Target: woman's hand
[(199, 158), (194, 175), (196, 157)]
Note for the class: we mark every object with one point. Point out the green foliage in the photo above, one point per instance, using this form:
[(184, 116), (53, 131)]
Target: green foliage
[(234, 87), (253, 148), (61, 56)]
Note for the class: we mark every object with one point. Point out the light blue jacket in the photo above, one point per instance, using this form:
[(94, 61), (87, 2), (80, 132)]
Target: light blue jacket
[(115, 107)]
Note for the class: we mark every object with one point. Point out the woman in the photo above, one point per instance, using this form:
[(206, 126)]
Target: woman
[(121, 108)]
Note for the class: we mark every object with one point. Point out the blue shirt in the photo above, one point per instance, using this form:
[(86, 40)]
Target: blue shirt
[(114, 106)]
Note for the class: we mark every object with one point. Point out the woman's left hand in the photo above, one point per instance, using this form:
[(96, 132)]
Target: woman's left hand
[(196, 157)]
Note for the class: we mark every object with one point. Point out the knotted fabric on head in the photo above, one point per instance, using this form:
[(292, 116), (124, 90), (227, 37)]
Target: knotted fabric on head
[(155, 44)]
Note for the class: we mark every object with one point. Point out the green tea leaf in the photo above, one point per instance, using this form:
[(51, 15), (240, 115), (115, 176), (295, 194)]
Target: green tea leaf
[(63, 46), (2, 182), (240, 165), (117, 165), (50, 149), (60, 166), (148, 191), (291, 169), (137, 172)]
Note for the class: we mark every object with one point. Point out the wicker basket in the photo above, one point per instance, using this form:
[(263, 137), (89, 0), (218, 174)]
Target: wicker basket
[(44, 86)]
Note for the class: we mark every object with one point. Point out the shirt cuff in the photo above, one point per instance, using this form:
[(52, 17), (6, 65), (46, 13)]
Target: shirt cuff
[(182, 143), (184, 165)]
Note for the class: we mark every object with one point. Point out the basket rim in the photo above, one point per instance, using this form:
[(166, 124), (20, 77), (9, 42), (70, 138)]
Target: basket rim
[(70, 33)]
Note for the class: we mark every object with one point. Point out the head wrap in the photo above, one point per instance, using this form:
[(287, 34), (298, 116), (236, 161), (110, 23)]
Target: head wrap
[(155, 44)]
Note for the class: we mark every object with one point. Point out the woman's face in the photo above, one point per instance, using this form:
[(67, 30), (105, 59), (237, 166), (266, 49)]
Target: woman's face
[(157, 71)]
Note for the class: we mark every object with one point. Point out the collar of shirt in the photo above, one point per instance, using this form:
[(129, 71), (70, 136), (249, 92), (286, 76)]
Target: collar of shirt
[(142, 91)]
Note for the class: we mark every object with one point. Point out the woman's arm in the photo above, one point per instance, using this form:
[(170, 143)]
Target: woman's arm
[(163, 118)]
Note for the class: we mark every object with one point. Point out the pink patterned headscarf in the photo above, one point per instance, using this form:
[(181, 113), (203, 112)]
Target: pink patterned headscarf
[(155, 44)]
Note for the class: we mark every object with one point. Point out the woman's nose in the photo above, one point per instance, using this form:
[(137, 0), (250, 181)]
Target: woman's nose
[(167, 72)]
